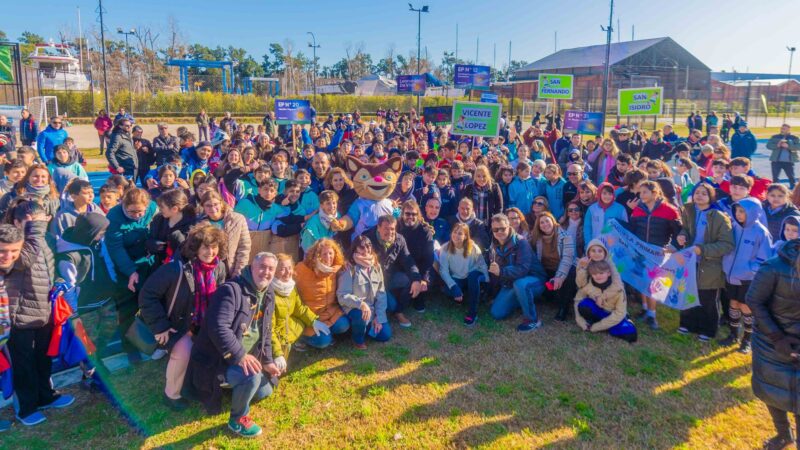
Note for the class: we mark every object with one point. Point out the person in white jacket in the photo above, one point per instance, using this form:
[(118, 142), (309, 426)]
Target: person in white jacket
[(463, 269)]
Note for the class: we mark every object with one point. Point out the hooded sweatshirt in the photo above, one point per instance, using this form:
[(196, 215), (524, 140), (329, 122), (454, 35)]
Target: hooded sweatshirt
[(598, 215), (582, 275), (780, 238), (63, 172), (753, 245), (67, 215)]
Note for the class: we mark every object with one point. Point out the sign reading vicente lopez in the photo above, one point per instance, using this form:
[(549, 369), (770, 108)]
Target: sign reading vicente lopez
[(437, 115), (584, 122), (640, 101), (467, 76), (292, 111), (411, 84), (555, 86), (476, 119)]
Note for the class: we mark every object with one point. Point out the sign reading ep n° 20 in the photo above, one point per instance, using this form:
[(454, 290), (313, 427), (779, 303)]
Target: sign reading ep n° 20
[(476, 119), (292, 111)]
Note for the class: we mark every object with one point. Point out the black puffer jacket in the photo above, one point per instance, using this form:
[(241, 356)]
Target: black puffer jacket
[(122, 153), (774, 297), (29, 281), (158, 291)]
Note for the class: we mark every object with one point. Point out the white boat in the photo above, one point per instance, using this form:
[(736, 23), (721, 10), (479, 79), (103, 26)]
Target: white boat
[(58, 68)]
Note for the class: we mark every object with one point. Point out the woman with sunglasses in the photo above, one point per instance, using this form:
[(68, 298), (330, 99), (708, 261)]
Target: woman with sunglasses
[(573, 224), (362, 294), (517, 221), (555, 249)]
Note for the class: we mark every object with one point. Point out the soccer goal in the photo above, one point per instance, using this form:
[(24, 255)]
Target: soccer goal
[(529, 110), (42, 108)]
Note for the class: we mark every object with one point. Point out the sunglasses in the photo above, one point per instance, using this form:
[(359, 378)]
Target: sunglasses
[(56, 123), (573, 173), (573, 210), (499, 230), (538, 203), (410, 214)]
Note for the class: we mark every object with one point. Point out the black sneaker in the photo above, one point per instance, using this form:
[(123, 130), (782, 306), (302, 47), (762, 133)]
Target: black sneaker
[(683, 330), (470, 320), (176, 405), (652, 323), (420, 309), (778, 442), (744, 347), (561, 316), (642, 315), (528, 326), (729, 341)]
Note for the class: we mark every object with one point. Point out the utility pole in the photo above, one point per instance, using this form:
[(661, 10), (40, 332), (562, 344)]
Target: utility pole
[(608, 31), (80, 39), (314, 47), (788, 77), (508, 70), (419, 12), (128, 65), (103, 52), (456, 42)]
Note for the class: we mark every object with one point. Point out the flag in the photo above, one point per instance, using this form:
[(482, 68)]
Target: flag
[(6, 67)]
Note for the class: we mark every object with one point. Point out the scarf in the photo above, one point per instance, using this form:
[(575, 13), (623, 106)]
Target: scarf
[(468, 220), (324, 268), (39, 191), (363, 261), (326, 218), (602, 286), (480, 198), (283, 288), (5, 313), (204, 285), (550, 257)]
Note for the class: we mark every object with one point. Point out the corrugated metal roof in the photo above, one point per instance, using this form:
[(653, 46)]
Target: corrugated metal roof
[(591, 56)]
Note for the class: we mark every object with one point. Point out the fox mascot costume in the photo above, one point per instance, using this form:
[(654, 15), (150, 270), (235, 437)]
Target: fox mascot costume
[(373, 182)]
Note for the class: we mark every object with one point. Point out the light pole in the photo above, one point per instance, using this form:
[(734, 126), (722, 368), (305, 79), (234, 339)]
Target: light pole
[(789, 77), (314, 47), (100, 12), (419, 12), (128, 65), (608, 31)]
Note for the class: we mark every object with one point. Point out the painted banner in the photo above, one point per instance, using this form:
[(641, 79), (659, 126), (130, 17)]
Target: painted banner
[(584, 122), (669, 278), (437, 115), (292, 111), (476, 119), (6, 66), (467, 76), (555, 86), (640, 101), (411, 84), (489, 97)]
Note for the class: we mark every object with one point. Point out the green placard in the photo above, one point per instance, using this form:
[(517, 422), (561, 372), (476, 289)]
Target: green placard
[(6, 68), (476, 119), (641, 101), (555, 86)]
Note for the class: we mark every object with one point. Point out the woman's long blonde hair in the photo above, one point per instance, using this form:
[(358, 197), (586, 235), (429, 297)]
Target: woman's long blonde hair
[(451, 248)]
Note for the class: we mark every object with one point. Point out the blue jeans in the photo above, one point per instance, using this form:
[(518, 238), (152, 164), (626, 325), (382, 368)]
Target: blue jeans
[(470, 288), (360, 328), (246, 389), (592, 313), (519, 295), (398, 293), (323, 340)]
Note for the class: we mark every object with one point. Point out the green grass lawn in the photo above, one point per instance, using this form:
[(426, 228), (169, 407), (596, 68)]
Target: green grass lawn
[(441, 385)]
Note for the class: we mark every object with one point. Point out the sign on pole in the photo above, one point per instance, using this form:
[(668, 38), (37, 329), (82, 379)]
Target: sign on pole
[(292, 111), (489, 97), (437, 115), (584, 122), (411, 84), (640, 101), (555, 86), (476, 119), (467, 76)]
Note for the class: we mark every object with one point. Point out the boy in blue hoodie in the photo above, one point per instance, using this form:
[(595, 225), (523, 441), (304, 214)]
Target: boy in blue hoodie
[(65, 166), (790, 230), (196, 159), (308, 198), (523, 189), (753, 245)]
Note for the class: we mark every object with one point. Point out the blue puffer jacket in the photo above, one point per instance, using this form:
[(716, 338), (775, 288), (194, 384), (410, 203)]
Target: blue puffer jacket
[(47, 141), (753, 245), (555, 196), (522, 192)]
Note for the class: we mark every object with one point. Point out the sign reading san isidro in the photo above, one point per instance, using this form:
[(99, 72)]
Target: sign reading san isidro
[(476, 119), (555, 86), (641, 101)]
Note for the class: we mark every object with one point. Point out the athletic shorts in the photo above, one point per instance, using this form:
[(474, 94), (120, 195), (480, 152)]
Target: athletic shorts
[(737, 292)]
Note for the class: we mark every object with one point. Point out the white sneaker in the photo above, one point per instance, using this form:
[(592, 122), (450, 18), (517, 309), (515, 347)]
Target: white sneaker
[(158, 354)]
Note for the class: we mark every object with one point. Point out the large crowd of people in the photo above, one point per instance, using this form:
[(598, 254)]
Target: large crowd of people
[(238, 245)]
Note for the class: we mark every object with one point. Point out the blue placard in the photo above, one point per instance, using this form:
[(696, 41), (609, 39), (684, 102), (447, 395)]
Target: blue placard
[(584, 122), (466, 76), (290, 111), (489, 97), (411, 84)]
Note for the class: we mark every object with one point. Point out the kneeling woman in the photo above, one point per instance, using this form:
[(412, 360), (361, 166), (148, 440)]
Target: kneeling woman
[(463, 269), (600, 304), (362, 294), (291, 316), (316, 284), (174, 299)]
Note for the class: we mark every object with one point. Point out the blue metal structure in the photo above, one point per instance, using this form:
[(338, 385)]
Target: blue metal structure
[(185, 64), (273, 85)]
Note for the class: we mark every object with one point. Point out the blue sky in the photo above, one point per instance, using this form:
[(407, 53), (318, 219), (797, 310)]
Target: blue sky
[(749, 37)]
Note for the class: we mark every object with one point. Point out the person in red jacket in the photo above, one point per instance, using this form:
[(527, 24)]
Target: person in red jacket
[(741, 166), (103, 125)]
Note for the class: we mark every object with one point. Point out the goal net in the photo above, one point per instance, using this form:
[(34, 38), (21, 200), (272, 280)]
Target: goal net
[(42, 108), (529, 110)]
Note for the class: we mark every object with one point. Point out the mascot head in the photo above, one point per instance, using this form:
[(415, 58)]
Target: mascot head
[(374, 181)]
